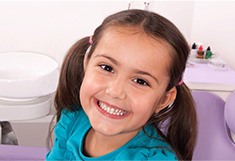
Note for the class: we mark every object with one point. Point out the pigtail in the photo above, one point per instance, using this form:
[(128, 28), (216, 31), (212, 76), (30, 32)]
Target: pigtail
[(177, 124), (71, 76), (182, 127)]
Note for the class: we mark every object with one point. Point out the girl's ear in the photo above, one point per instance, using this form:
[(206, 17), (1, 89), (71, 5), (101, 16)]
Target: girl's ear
[(167, 99)]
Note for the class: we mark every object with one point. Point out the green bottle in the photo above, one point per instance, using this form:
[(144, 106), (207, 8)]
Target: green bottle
[(208, 53)]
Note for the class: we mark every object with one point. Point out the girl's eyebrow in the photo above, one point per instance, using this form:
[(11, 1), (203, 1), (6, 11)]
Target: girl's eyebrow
[(136, 70), (107, 57)]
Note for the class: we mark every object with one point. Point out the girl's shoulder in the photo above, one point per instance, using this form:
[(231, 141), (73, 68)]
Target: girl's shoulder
[(66, 122), (148, 153), (63, 129), (150, 146), (70, 115)]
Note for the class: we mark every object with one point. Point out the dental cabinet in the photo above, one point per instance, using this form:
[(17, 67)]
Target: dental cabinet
[(213, 75)]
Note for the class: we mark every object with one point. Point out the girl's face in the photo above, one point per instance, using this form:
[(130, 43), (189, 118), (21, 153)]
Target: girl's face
[(125, 81)]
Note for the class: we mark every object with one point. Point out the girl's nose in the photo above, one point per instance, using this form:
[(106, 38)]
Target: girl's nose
[(116, 88)]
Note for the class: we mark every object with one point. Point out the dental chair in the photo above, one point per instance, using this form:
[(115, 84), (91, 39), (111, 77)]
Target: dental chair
[(229, 117), (11, 151), (22, 153), (214, 140)]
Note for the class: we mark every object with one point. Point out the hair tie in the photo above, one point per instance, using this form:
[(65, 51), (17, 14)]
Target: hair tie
[(90, 40), (180, 82)]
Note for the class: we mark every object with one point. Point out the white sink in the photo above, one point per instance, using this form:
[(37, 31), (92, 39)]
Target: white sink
[(25, 110), (27, 75)]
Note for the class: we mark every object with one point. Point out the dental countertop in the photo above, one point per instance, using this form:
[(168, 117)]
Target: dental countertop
[(209, 76)]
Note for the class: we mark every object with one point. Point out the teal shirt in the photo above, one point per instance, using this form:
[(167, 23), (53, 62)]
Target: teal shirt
[(71, 130)]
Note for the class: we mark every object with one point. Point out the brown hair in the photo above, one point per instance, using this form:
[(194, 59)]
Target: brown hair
[(181, 117)]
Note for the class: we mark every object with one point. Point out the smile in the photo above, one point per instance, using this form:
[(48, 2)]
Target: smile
[(111, 110)]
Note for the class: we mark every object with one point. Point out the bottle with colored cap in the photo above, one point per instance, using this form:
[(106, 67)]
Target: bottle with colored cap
[(200, 52), (193, 51), (208, 53)]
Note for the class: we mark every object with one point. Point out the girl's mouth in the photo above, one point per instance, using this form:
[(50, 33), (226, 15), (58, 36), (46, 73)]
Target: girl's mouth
[(112, 111)]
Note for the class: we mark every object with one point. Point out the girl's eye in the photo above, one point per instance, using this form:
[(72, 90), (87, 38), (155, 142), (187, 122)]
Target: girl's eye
[(107, 68), (141, 82)]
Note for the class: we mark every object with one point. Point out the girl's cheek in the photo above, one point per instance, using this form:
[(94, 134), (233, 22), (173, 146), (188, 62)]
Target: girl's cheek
[(92, 82)]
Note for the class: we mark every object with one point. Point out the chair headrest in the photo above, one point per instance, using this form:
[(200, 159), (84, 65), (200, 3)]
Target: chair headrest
[(229, 117), (229, 112)]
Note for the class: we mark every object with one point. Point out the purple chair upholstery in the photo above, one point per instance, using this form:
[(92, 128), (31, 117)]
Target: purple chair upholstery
[(229, 116), (22, 153), (212, 142)]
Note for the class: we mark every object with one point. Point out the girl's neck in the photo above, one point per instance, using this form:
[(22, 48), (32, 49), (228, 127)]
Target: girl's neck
[(97, 144)]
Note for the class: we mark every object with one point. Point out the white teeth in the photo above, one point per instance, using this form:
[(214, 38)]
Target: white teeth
[(111, 110)]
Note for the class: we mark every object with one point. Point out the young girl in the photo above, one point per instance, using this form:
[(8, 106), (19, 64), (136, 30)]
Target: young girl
[(119, 88)]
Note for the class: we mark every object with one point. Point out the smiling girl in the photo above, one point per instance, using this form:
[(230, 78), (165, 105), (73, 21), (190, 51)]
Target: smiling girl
[(121, 96)]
